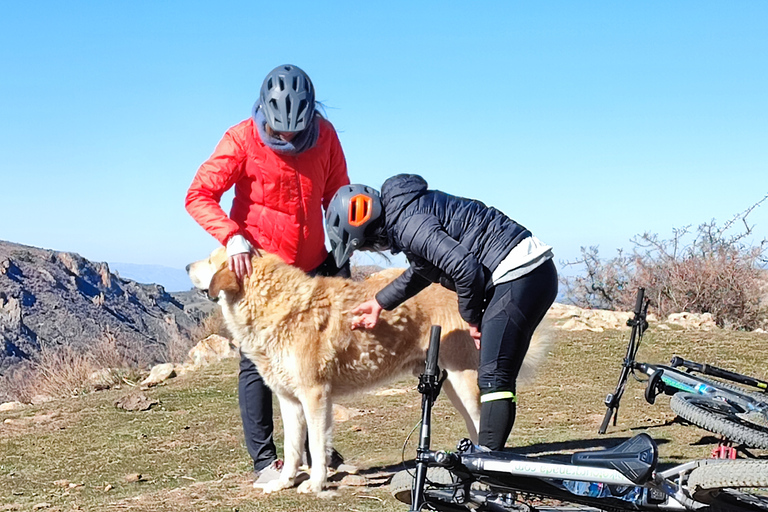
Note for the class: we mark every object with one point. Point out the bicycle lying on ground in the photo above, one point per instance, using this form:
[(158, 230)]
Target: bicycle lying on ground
[(722, 407), (625, 477)]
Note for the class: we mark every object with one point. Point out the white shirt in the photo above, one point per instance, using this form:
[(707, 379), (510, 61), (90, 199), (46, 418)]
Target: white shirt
[(522, 259)]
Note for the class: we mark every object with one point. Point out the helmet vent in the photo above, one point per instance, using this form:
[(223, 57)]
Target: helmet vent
[(360, 209), (273, 105)]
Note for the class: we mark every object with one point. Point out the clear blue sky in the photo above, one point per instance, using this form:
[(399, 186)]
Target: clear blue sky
[(588, 122)]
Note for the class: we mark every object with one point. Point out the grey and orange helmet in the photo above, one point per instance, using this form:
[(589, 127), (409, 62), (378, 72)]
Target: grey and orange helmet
[(288, 99), (351, 214)]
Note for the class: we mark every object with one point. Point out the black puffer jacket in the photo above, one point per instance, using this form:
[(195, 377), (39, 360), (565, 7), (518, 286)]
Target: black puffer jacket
[(455, 241)]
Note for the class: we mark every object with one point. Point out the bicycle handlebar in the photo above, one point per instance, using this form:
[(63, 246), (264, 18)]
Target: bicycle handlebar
[(639, 302), (708, 369), (434, 344)]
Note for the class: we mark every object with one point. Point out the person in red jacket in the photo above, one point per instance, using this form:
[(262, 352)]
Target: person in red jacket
[(285, 163)]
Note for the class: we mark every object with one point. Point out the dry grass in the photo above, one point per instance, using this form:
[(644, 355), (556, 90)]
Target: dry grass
[(75, 454), (64, 371), (211, 324)]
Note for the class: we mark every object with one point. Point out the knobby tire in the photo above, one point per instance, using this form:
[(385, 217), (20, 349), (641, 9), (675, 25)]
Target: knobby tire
[(716, 416)]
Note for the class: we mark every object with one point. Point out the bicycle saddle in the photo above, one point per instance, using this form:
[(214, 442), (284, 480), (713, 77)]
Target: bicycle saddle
[(635, 458)]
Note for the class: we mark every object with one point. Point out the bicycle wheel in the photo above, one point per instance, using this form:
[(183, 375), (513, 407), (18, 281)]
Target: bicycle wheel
[(402, 483), (734, 485), (722, 418), (760, 396)]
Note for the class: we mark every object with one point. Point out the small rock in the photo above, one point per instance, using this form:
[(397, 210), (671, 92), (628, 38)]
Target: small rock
[(10, 406), (133, 477), (41, 506), (354, 481), (211, 349), (108, 487), (103, 379), (158, 374), (61, 483), (135, 402)]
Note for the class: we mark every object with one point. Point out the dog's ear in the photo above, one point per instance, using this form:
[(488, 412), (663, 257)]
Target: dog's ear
[(223, 280)]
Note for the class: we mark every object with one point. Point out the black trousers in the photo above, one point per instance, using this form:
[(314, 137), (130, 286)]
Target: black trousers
[(514, 310), (255, 398)]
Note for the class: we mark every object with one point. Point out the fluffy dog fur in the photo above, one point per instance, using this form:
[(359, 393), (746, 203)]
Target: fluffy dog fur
[(295, 328)]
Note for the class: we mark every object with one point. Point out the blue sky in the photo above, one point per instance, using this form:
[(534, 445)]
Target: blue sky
[(588, 122)]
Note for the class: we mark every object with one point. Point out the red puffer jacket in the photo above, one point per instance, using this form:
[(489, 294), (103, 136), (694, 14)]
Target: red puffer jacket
[(279, 199)]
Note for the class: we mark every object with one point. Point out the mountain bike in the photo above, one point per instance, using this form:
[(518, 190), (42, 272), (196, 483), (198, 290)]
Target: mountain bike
[(724, 407), (625, 477)]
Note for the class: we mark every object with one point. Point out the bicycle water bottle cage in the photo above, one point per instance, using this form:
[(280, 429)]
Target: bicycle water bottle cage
[(655, 387), (636, 458)]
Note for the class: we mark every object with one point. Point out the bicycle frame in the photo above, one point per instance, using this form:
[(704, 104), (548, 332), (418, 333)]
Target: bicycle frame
[(670, 380), (626, 475)]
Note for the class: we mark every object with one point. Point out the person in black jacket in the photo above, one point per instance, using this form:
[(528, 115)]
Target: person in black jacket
[(504, 276)]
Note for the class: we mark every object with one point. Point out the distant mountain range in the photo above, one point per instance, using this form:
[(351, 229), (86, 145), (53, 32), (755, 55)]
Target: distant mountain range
[(172, 279)]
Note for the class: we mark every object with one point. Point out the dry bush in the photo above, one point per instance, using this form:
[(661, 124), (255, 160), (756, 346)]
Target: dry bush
[(56, 372), (710, 270), (212, 324), (63, 371), (106, 353), (16, 383)]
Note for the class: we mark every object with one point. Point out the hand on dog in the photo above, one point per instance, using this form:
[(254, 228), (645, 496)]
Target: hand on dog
[(240, 264), (368, 315), (474, 331)]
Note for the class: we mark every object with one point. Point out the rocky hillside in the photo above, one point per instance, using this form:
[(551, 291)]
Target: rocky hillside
[(50, 298)]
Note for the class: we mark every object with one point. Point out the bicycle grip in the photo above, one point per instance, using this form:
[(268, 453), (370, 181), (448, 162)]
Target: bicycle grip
[(432, 351), (639, 303)]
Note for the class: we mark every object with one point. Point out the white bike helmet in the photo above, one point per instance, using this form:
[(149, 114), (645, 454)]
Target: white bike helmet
[(351, 213)]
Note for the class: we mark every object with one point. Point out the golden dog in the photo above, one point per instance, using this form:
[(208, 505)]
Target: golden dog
[(296, 329)]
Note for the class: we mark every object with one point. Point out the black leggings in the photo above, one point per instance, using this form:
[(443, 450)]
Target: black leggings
[(514, 310)]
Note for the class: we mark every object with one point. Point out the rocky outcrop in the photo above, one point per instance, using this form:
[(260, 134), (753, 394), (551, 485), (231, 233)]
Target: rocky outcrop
[(50, 298), (572, 318)]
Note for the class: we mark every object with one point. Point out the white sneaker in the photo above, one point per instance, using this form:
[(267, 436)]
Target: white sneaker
[(268, 474)]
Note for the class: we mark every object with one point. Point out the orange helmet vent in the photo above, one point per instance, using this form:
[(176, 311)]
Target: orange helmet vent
[(360, 209)]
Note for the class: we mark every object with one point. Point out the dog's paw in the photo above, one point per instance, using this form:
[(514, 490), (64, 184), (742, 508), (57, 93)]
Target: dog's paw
[(277, 485), (310, 486)]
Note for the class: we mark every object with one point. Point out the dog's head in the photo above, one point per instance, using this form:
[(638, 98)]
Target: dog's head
[(212, 275)]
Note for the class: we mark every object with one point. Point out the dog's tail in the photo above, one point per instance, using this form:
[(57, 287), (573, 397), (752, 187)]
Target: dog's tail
[(541, 344)]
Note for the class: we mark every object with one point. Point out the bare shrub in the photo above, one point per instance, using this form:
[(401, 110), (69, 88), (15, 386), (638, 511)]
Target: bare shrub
[(60, 372), (212, 324), (106, 353), (64, 371), (712, 269), (16, 383)]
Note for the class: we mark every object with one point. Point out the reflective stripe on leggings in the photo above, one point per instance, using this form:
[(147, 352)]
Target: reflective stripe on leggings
[(498, 395)]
